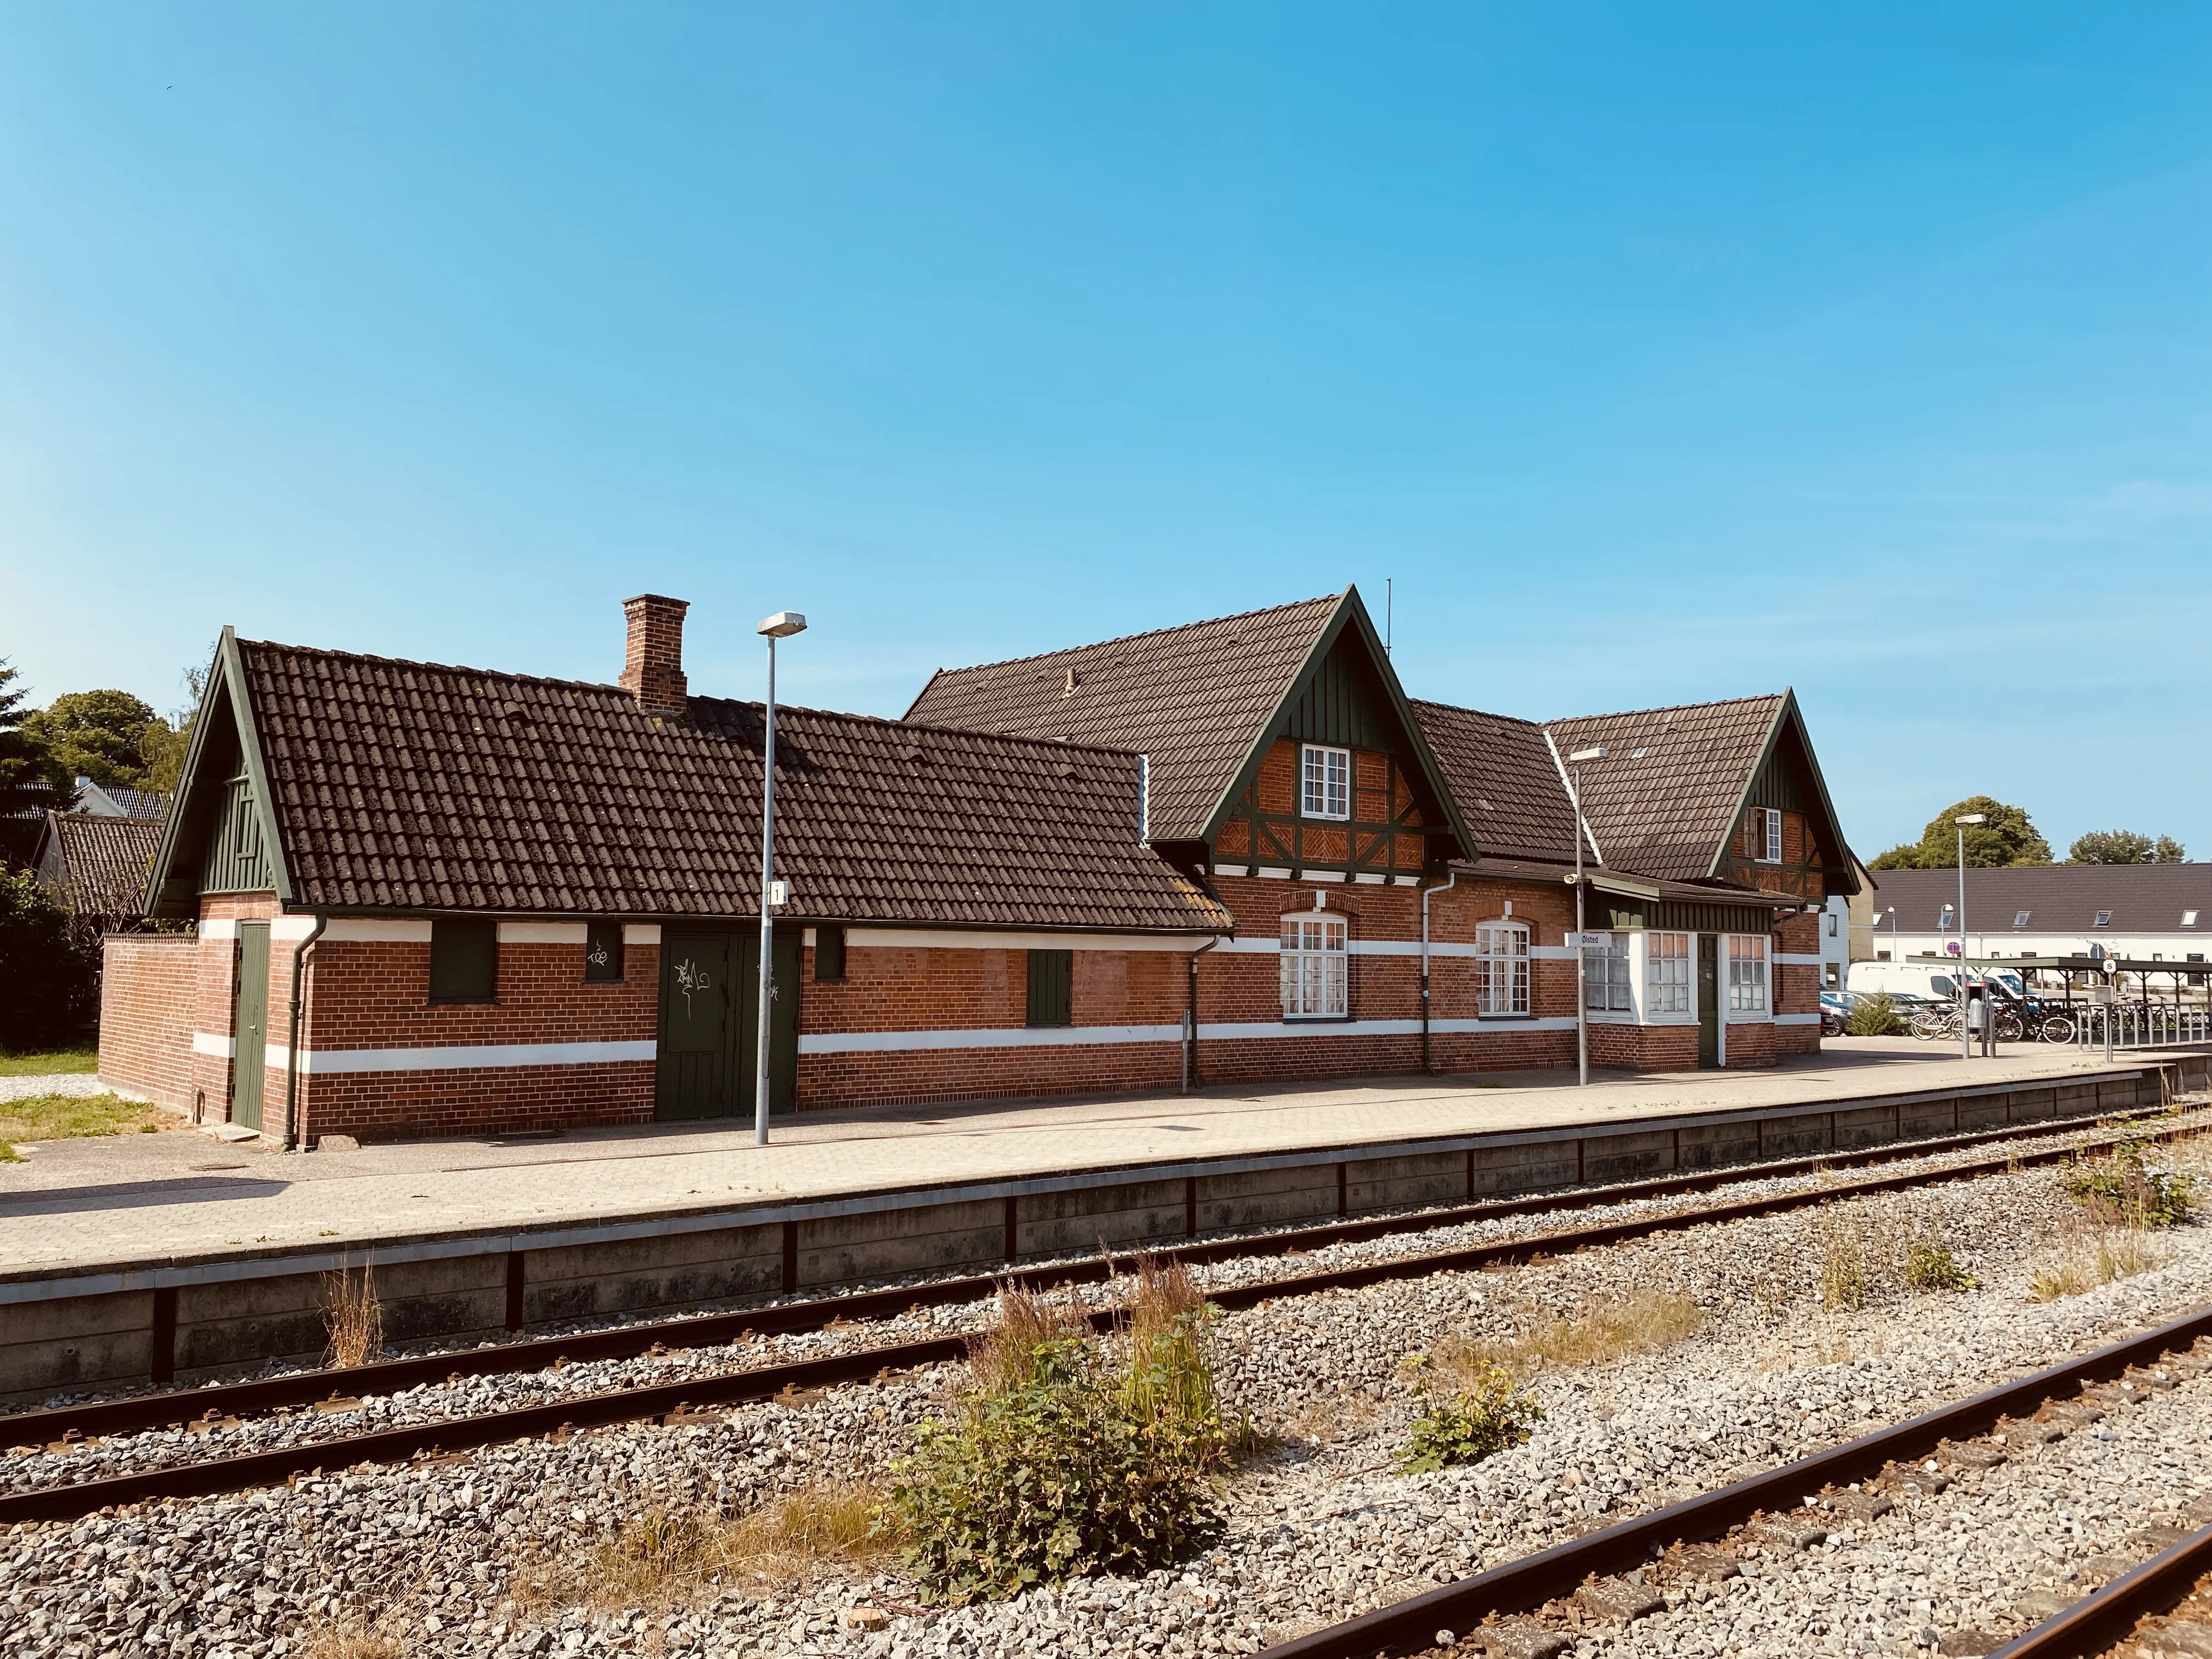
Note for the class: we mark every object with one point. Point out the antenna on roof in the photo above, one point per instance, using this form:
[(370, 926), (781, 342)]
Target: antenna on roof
[(1389, 605)]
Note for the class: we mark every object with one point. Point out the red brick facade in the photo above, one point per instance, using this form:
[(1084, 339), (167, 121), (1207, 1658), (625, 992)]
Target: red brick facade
[(146, 986)]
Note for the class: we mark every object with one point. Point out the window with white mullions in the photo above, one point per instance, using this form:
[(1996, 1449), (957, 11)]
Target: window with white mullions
[(1666, 974), (1746, 973), (1317, 961), (1501, 949), (1605, 973), (1766, 827), (1327, 775)]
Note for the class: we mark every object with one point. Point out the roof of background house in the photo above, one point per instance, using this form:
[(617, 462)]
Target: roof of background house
[(414, 786), (114, 800), (1501, 771), (1192, 698), (2059, 898), (1664, 800), (97, 863)]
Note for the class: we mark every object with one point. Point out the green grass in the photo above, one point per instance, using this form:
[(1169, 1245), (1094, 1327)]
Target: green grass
[(65, 1117), (40, 1062)]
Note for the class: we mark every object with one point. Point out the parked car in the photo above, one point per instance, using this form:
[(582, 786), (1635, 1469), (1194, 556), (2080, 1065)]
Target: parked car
[(1836, 1010)]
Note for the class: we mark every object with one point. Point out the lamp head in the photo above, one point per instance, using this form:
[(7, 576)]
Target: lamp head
[(783, 625), (1963, 817), (1581, 755)]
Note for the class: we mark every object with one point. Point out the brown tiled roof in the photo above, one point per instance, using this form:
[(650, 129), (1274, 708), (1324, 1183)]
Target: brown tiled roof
[(1501, 771), (1192, 699), (102, 862), (1663, 801), (411, 785)]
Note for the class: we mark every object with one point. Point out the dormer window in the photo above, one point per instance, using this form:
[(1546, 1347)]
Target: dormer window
[(2020, 918), (2104, 918), (1326, 774)]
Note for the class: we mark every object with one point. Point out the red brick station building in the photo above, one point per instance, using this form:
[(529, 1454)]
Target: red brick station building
[(435, 900)]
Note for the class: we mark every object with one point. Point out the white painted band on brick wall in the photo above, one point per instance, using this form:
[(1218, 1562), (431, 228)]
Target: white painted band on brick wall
[(472, 1057), (933, 939), (641, 933), (378, 930), (219, 927), (1062, 1036), (1791, 959), (1796, 1019), (291, 927), (541, 932), (209, 1043)]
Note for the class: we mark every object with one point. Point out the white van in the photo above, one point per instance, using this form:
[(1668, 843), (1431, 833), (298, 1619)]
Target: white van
[(1939, 980)]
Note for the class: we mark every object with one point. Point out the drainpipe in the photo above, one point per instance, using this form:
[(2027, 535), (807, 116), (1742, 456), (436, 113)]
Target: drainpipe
[(292, 1054), (1427, 893), (1190, 1019)]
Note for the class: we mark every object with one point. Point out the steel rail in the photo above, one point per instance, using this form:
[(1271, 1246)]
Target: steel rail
[(205, 1477), (252, 1396), (1522, 1586), (2105, 1616)]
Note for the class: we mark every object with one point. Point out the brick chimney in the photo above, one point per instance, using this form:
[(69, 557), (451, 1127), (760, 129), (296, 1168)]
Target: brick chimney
[(653, 667)]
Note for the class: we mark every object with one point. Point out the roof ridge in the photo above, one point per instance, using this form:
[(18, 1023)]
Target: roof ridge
[(1487, 713), (1145, 633), (1669, 708), (442, 667)]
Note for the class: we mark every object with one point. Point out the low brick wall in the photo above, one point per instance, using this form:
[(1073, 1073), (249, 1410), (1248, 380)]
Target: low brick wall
[(146, 986)]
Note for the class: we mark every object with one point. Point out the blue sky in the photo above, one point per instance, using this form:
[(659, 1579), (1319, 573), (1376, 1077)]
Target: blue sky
[(1657, 353)]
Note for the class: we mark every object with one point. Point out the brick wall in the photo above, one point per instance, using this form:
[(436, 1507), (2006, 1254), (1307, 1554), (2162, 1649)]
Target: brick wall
[(146, 997)]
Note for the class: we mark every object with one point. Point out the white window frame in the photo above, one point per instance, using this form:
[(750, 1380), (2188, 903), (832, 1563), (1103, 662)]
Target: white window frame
[(1324, 782), (1670, 977), (1316, 977), (1771, 852), (2020, 918), (1748, 991), (1607, 983), (1501, 953), (2188, 918), (2104, 919)]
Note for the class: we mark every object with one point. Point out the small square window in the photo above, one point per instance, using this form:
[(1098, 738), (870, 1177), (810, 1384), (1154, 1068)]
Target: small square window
[(603, 953), (1325, 776), (2104, 918), (828, 955), (464, 959), (2020, 918)]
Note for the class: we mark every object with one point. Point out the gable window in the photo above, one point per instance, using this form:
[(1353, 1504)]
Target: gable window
[(1770, 837), (2104, 918), (1326, 779), (1501, 951), (1746, 973), (1317, 960), (2020, 918), (1605, 973), (1666, 974), (603, 952), (828, 955), (464, 959), (1052, 988)]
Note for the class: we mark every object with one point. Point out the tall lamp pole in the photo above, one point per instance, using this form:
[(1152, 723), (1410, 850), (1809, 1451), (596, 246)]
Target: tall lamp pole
[(780, 626), (1965, 1037), (1581, 961)]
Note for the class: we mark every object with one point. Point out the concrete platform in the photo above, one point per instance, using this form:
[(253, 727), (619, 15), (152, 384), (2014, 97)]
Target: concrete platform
[(175, 1254)]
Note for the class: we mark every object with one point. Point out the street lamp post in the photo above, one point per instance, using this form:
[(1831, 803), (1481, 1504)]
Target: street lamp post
[(1581, 961), (780, 626), (1965, 1037), (1895, 944)]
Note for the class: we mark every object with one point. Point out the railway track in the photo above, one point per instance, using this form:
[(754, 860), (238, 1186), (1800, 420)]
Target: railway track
[(2130, 1611), (671, 1401), (1504, 1610)]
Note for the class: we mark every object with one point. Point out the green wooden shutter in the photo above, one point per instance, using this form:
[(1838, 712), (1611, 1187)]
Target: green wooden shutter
[(464, 959), (1052, 988)]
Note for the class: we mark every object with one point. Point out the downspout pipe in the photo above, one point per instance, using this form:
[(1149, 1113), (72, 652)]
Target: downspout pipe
[(1428, 1064), (1190, 1018), (292, 1053)]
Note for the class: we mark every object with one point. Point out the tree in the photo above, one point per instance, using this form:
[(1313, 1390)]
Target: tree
[(2008, 837), (30, 777), (99, 735), (2124, 847), (53, 995)]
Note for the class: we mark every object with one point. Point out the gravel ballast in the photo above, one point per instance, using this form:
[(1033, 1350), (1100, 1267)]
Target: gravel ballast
[(1321, 1528)]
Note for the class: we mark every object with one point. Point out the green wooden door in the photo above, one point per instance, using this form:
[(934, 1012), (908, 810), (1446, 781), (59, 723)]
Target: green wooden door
[(709, 1012), (250, 1024), (1708, 1000)]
